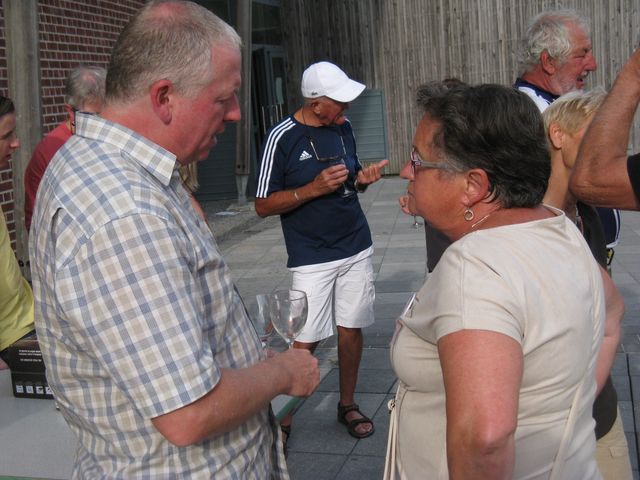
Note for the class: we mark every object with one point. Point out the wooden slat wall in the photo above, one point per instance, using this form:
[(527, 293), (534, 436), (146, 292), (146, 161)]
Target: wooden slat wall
[(396, 45), (368, 121)]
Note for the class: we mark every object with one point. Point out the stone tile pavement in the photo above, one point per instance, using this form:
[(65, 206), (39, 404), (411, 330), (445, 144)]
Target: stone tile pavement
[(320, 448)]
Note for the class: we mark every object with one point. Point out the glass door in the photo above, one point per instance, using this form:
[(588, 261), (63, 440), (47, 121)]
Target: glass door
[(268, 97)]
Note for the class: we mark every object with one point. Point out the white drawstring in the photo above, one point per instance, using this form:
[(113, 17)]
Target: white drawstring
[(390, 461)]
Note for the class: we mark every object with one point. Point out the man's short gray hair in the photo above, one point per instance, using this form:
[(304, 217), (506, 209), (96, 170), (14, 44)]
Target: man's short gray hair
[(550, 31), (85, 84), (167, 39)]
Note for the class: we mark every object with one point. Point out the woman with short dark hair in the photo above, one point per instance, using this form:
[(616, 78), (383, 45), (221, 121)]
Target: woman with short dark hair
[(496, 353)]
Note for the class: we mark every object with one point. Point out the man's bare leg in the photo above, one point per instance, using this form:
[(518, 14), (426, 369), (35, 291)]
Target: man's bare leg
[(349, 355)]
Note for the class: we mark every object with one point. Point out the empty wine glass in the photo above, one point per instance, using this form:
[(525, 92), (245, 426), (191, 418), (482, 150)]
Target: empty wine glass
[(288, 309), (343, 190), (258, 310)]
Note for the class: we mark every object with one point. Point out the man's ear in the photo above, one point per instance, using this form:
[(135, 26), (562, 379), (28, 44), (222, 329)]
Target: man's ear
[(315, 105), (476, 186), (556, 136), (69, 109), (71, 117), (161, 95), (548, 63)]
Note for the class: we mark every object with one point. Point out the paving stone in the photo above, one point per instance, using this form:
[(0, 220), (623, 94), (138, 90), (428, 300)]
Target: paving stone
[(389, 310), (630, 346), (634, 364), (369, 381), (629, 336), (620, 365), (376, 340), (385, 325), (314, 466), (630, 289), (622, 278), (375, 358), (623, 387), (626, 413), (361, 468), (406, 254), (392, 286)]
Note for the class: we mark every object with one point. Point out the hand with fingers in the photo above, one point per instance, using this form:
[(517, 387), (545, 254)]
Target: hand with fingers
[(301, 368), (404, 204), (371, 173), (329, 179)]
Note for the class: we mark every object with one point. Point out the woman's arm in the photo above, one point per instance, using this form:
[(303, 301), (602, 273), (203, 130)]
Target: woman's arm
[(482, 372), (614, 313)]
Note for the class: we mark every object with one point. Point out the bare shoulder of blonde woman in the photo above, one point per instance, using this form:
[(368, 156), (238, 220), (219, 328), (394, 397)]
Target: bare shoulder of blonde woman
[(189, 176)]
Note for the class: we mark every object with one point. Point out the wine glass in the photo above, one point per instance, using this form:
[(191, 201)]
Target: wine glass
[(258, 310), (343, 190), (288, 309)]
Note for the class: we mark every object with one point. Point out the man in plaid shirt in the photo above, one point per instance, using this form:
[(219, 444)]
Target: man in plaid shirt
[(149, 352)]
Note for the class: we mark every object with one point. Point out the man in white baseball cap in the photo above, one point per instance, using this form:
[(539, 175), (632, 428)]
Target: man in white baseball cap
[(310, 176)]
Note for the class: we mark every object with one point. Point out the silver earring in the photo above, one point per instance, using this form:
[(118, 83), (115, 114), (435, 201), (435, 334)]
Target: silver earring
[(468, 214)]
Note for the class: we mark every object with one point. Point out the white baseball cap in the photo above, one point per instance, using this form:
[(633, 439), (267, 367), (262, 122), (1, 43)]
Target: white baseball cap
[(324, 79)]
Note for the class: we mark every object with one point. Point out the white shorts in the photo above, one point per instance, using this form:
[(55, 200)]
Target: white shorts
[(342, 290)]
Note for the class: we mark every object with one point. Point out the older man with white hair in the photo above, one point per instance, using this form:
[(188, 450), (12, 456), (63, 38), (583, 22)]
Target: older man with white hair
[(557, 56)]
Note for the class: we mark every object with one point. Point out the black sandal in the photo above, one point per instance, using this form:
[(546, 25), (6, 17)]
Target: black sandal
[(351, 426), (286, 430)]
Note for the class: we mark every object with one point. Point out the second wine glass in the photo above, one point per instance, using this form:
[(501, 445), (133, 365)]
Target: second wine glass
[(288, 312), (258, 310)]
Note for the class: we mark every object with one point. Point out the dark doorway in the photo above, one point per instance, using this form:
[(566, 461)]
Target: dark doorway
[(268, 98)]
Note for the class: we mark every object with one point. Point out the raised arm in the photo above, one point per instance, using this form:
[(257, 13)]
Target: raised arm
[(327, 181), (283, 201), (482, 372), (600, 175)]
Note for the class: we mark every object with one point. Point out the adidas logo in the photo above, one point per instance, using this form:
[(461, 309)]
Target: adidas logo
[(305, 156)]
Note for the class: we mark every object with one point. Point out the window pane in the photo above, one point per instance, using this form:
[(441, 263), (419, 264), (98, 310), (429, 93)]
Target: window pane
[(266, 24)]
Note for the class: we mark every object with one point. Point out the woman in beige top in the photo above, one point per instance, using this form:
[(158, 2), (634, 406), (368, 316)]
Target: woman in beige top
[(497, 352)]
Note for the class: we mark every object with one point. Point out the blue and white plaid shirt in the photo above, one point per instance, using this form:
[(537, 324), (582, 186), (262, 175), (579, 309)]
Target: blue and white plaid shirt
[(136, 312)]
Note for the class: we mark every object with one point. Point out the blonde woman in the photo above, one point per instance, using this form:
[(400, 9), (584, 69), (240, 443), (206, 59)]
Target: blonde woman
[(566, 121), (189, 176)]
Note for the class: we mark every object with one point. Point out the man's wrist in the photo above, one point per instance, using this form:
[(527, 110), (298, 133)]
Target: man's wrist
[(361, 188), (301, 195)]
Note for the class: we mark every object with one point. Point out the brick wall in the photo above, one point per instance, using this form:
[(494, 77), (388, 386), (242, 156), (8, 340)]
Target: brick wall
[(72, 33), (6, 185)]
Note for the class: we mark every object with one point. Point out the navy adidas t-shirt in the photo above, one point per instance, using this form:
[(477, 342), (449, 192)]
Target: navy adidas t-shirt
[(326, 228)]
